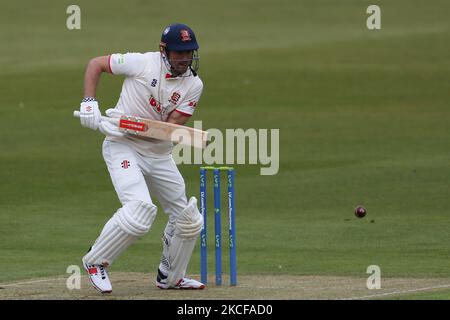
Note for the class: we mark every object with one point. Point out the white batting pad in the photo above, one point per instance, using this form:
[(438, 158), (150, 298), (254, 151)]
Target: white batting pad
[(180, 247), (131, 221)]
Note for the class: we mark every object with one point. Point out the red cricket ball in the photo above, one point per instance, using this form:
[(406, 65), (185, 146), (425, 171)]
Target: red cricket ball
[(360, 211)]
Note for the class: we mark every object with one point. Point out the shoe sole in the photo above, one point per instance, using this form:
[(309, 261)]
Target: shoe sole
[(98, 289), (182, 288)]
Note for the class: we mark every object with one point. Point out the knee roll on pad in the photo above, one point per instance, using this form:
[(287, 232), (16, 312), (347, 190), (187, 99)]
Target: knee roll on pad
[(190, 222), (134, 219)]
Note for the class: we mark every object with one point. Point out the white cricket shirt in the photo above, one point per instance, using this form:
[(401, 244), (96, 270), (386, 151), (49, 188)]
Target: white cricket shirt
[(149, 91)]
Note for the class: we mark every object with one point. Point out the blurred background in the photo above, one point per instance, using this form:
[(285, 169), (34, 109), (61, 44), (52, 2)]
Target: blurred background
[(363, 116)]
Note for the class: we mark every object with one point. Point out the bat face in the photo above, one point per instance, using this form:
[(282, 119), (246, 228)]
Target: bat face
[(132, 125), (146, 128)]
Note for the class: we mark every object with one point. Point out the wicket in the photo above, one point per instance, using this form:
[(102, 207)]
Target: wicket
[(217, 225)]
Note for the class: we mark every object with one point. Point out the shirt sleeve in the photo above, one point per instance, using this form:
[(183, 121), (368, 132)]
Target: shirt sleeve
[(187, 107), (128, 64)]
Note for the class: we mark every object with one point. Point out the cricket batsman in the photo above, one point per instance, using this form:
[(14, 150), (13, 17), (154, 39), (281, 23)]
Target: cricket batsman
[(162, 86)]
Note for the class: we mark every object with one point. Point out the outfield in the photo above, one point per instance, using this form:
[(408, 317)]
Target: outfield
[(363, 118)]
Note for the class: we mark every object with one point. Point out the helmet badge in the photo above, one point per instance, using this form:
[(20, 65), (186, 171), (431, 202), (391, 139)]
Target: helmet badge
[(185, 36)]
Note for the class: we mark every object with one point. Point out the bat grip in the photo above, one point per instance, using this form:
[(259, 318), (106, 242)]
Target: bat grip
[(115, 121)]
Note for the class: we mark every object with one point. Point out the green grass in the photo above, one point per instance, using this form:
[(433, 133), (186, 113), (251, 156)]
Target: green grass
[(363, 118)]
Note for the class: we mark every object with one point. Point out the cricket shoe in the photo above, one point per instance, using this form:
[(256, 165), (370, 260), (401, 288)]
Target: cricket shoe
[(183, 283), (98, 277)]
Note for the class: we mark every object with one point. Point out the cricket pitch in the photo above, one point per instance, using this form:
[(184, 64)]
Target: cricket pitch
[(141, 286)]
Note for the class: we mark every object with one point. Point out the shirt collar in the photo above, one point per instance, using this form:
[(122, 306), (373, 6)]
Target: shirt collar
[(169, 75)]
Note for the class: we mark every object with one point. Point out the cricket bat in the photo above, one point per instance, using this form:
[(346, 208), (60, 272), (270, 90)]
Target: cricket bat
[(147, 128)]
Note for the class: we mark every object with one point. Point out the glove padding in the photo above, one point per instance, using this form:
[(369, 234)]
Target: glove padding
[(90, 115), (108, 128)]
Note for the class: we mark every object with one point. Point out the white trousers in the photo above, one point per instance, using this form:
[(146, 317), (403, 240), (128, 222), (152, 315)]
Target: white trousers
[(136, 177)]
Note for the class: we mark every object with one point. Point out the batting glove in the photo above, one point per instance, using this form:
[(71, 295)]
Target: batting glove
[(108, 128), (90, 115)]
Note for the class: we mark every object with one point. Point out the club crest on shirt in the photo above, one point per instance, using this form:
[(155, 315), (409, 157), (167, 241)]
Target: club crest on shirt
[(175, 98), (155, 104)]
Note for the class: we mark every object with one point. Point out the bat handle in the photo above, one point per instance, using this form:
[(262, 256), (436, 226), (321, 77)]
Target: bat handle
[(115, 121)]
